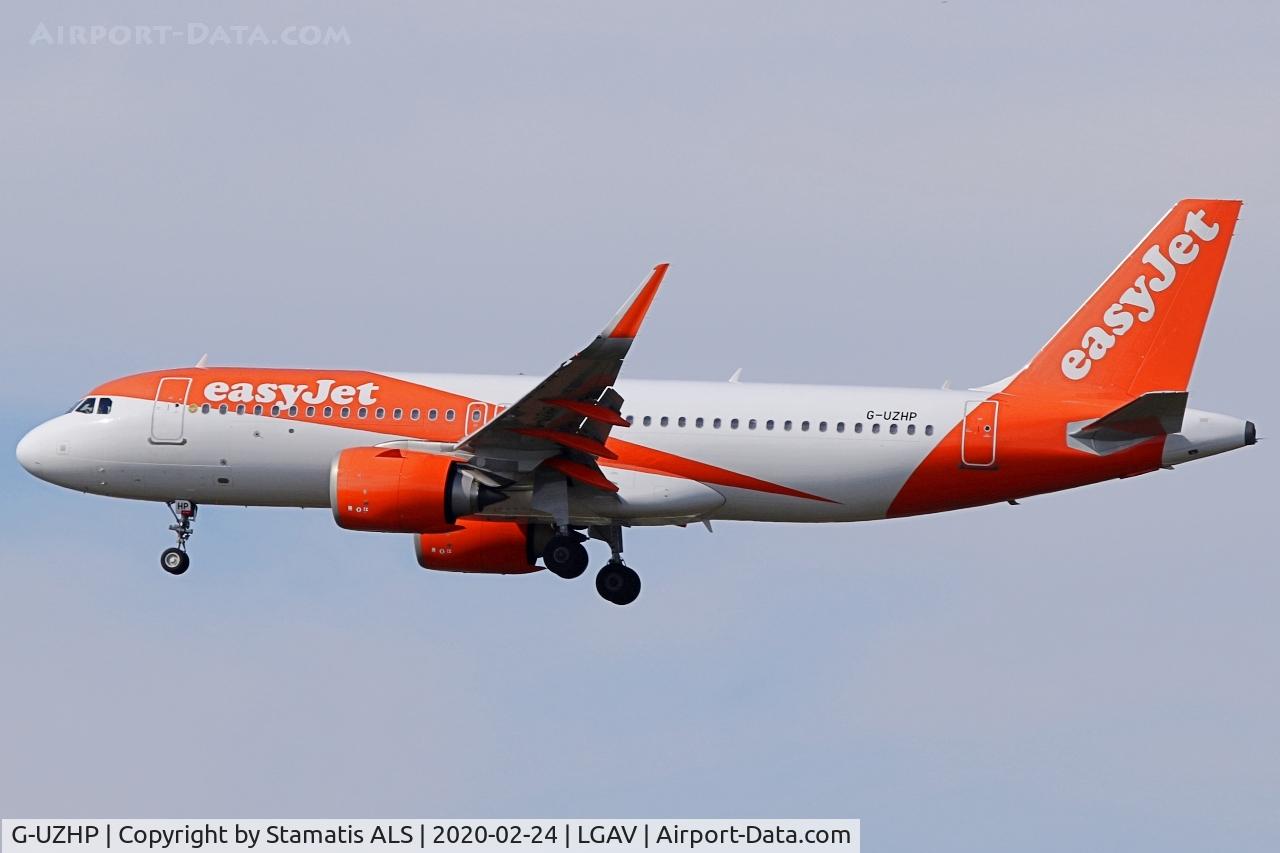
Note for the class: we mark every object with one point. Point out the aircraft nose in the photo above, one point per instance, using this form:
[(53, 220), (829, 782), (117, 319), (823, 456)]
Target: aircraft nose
[(30, 453)]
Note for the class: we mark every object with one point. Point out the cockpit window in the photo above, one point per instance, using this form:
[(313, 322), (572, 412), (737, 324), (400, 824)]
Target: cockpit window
[(86, 406), (104, 405)]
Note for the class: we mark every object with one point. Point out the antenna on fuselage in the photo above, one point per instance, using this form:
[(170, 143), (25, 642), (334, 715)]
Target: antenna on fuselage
[(204, 360), (737, 374)]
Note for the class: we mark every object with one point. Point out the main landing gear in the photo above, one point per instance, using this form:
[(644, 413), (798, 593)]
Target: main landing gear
[(175, 561), (564, 555), (618, 583)]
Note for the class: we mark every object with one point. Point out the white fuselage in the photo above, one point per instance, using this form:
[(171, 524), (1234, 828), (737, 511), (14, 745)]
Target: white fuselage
[(849, 450)]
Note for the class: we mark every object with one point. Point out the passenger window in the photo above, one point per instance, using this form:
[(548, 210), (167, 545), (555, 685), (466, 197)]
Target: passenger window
[(432, 414), (631, 419), (786, 425), (104, 405), (415, 414), (875, 427), (257, 410), (397, 414), (698, 423), (222, 410), (328, 411), (681, 422), (379, 413), (822, 426), (733, 424), (804, 426), (751, 424), (204, 410), (648, 420), (362, 412), (716, 423), (768, 424), (275, 411), (893, 429), (928, 430), (311, 411), (911, 429), (346, 412), (839, 426), (664, 421), (240, 409), (293, 411), (449, 415), (475, 416), (857, 427)]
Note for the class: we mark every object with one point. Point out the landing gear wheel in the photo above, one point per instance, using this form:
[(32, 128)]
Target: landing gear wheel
[(618, 584), (174, 561), (565, 556)]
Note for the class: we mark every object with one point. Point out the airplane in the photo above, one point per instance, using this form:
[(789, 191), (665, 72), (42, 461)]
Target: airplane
[(492, 474)]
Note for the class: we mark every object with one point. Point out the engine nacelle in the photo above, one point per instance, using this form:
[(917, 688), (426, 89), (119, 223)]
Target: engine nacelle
[(488, 547), (403, 491)]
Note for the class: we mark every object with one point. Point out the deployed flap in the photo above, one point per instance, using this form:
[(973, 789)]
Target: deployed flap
[(1154, 414), (570, 413)]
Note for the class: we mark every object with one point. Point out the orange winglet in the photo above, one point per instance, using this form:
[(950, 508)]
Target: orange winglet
[(569, 439), (591, 410), (581, 473), (628, 323)]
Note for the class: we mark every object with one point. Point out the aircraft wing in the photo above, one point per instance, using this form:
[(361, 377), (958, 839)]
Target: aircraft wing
[(563, 423)]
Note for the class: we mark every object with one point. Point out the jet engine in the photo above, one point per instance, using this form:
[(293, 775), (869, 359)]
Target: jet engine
[(403, 491), (489, 547)]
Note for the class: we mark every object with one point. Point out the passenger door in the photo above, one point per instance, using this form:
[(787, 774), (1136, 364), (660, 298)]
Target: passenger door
[(170, 410)]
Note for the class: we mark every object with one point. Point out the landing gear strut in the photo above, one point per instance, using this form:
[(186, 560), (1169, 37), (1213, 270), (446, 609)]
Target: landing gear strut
[(175, 561)]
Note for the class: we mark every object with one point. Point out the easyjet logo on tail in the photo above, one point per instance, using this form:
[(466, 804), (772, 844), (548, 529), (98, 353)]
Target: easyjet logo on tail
[(1138, 303)]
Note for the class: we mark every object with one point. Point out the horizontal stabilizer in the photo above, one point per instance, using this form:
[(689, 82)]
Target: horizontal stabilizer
[(1154, 414)]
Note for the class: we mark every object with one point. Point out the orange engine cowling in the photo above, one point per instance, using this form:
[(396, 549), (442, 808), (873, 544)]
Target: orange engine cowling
[(403, 491), (489, 547)]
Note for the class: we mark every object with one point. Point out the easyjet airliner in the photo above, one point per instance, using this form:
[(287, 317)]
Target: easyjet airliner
[(494, 473)]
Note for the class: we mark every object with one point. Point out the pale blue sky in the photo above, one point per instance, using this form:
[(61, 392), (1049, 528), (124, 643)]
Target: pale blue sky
[(862, 193)]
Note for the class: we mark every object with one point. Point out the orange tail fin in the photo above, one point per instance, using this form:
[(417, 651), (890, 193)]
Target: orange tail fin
[(1141, 328)]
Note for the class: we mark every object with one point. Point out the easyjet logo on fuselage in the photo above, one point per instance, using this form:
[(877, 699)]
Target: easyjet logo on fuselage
[(1139, 300), (326, 391)]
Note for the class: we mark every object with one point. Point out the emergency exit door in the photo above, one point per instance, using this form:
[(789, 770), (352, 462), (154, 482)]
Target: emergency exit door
[(170, 409), (978, 440)]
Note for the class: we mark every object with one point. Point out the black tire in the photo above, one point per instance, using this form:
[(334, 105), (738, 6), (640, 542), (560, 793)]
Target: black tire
[(174, 561), (618, 584), (565, 556)]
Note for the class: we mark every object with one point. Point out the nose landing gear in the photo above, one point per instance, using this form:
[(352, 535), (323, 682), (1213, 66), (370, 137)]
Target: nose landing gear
[(175, 561)]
